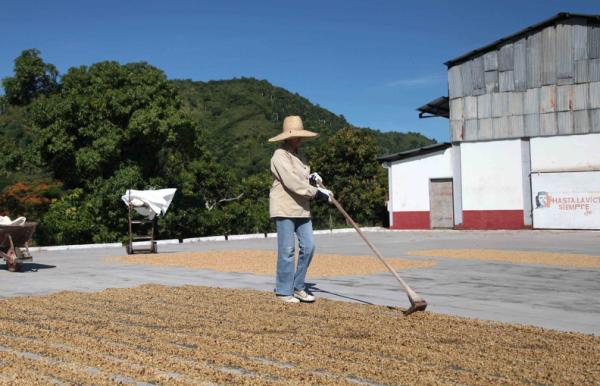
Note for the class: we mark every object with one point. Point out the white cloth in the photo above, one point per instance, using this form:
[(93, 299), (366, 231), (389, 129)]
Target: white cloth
[(5, 220), (149, 203)]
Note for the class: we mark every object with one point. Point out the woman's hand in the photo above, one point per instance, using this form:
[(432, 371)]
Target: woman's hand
[(315, 179), (323, 195)]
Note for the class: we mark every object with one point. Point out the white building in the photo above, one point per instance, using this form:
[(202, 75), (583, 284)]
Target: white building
[(524, 116)]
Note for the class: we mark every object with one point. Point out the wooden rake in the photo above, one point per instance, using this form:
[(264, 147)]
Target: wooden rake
[(417, 303)]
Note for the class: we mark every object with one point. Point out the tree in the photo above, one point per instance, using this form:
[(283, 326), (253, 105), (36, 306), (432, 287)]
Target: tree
[(33, 77), (347, 161), (111, 127)]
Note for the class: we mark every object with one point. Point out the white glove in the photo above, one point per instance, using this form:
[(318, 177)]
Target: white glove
[(323, 195), (315, 179)]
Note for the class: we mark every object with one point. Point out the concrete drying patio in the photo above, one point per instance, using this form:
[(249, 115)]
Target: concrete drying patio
[(557, 297)]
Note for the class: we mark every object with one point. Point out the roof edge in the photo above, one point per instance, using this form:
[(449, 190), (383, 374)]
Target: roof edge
[(513, 37), (414, 152)]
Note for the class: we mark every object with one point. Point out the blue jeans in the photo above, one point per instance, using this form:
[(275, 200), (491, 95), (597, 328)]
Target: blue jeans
[(289, 279)]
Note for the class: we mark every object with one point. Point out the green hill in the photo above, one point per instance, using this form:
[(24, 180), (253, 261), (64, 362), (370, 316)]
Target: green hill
[(241, 114)]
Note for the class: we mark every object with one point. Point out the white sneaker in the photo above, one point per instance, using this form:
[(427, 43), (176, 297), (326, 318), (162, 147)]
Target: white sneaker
[(288, 299), (303, 296)]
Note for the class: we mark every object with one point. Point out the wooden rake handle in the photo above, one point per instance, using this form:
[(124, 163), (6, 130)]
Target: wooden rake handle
[(412, 295)]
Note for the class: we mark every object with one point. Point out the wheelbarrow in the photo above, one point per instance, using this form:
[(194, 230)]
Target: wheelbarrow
[(13, 244)]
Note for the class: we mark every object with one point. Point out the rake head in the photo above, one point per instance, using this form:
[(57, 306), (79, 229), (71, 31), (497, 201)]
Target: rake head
[(415, 306)]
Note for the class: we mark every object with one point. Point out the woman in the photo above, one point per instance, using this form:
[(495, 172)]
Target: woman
[(289, 204)]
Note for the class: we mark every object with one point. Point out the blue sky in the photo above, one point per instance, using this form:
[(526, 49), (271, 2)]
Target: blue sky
[(372, 61)]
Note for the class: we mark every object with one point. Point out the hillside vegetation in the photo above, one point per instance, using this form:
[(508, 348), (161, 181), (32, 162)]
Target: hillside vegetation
[(73, 144)]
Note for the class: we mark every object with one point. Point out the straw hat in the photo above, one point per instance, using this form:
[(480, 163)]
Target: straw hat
[(293, 128)]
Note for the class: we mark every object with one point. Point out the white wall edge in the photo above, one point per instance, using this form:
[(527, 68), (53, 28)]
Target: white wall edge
[(201, 239), (167, 242), (76, 246)]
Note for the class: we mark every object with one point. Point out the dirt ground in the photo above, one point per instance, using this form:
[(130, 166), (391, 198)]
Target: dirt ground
[(191, 334), (263, 262), (574, 260)]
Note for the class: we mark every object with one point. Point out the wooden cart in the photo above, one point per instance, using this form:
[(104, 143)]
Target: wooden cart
[(14, 248)]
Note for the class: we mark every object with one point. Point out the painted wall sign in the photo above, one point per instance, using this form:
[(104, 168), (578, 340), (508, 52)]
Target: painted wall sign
[(568, 200)]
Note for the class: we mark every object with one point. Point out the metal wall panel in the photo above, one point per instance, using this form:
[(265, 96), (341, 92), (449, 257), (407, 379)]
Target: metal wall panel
[(520, 70), (532, 101), (456, 129), (594, 101), (477, 75), (549, 56), (506, 81), (485, 129), (516, 126), (499, 104), (581, 71), (594, 70), (456, 109), (515, 103), (470, 107), (548, 99), (491, 81), (564, 122), (595, 121), (564, 98), (484, 106), (506, 61), (548, 124), (534, 60), (467, 78), (564, 51), (593, 41), (471, 129), (532, 125), (581, 121), (581, 96), (500, 127), (454, 82), (579, 36), (490, 60)]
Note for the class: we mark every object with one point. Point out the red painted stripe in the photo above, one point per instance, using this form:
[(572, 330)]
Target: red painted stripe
[(493, 219), (411, 220)]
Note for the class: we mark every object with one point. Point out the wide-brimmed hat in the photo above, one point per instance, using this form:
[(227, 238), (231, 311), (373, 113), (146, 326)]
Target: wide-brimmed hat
[(293, 128)]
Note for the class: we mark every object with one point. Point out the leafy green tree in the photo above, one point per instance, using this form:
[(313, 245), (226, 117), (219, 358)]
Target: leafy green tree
[(112, 127), (347, 161), (33, 77), (70, 220)]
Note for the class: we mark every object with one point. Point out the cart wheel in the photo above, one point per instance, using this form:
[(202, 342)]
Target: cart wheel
[(129, 249), (154, 248)]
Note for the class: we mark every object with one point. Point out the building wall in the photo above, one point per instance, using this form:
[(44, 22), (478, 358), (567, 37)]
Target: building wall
[(565, 182), (492, 185), (565, 153), (544, 84), (409, 188)]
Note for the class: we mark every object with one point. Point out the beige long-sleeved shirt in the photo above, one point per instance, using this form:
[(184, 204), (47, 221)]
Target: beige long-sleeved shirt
[(290, 192)]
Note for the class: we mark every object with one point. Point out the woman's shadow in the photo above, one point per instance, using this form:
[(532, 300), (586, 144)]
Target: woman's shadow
[(312, 287), (30, 267)]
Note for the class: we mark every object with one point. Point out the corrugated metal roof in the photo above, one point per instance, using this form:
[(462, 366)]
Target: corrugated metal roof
[(439, 107), (415, 152), (516, 36)]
